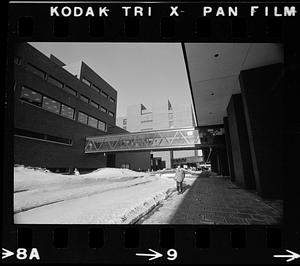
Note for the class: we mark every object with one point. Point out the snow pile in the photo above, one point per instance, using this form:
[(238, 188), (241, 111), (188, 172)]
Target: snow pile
[(105, 196), (37, 188), (145, 207), (117, 205), (115, 173), (26, 178)]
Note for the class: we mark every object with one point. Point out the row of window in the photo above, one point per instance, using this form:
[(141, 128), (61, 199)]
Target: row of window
[(96, 105), (94, 87), (41, 136), (46, 103), (56, 107), (91, 121), (66, 88)]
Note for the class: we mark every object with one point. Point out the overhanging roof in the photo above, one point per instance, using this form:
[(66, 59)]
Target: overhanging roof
[(213, 70)]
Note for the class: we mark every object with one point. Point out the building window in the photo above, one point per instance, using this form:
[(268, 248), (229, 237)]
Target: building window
[(87, 82), (85, 99), (111, 114), (67, 111), (112, 100), (171, 124), (41, 136), (103, 109), (125, 165), (55, 82), (94, 104), (82, 118), (36, 71), (93, 122), (17, 60), (95, 88), (51, 105), (104, 94), (70, 90), (102, 125), (31, 96)]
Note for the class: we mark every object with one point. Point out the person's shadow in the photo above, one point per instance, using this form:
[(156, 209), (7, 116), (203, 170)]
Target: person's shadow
[(185, 187)]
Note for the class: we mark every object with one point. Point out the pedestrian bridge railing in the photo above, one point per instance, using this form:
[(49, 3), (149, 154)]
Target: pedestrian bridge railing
[(184, 138)]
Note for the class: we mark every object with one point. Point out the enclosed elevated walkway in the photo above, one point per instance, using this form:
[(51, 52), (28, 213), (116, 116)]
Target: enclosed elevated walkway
[(171, 139)]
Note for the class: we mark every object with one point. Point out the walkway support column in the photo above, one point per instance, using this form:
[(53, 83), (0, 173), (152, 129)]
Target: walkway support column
[(242, 162), (261, 93), (228, 149)]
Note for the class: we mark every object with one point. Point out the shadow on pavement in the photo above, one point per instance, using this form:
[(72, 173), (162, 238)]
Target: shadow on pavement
[(189, 202), (185, 187)]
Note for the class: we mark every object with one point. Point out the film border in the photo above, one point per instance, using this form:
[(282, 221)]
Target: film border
[(232, 243)]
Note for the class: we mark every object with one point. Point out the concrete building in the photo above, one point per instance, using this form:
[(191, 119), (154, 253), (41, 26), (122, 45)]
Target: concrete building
[(156, 117), (240, 86), (160, 116)]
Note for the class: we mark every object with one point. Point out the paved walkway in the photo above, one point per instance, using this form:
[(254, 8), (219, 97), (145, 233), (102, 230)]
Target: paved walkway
[(214, 200)]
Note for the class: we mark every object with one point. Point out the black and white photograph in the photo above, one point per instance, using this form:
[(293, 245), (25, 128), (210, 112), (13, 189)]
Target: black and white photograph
[(148, 133)]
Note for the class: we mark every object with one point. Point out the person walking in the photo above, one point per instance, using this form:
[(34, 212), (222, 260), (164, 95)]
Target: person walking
[(179, 177)]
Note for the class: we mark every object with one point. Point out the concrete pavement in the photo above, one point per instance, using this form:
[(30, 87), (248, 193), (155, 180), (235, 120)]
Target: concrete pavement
[(214, 200)]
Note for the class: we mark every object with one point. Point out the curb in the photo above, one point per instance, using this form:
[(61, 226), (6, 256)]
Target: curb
[(146, 207)]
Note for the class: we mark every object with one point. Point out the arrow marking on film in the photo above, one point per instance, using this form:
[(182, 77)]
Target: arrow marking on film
[(154, 255), (291, 256), (6, 253)]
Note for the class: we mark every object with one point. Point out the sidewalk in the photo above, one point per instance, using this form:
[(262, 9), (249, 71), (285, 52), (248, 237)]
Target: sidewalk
[(215, 200)]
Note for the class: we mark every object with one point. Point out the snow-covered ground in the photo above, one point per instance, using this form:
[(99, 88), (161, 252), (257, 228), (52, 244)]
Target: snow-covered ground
[(107, 195)]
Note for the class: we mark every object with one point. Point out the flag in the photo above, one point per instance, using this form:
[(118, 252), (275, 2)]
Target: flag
[(169, 106)]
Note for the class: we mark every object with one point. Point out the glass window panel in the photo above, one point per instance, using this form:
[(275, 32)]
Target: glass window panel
[(112, 100), (101, 125), (36, 71), (67, 111), (51, 105), (55, 82), (31, 96), (95, 88), (104, 94), (103, 109), (87, 82), (93, 122), (94, 104), (111, 114), (83, 98), (70, 90), (82, 118)]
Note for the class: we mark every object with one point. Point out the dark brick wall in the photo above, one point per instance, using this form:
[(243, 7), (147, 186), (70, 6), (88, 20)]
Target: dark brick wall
[(136, 159), (261, 91), (29, 117), (92, 76), (242, 162)]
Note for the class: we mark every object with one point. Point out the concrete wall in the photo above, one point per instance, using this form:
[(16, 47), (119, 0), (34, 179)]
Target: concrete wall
[(228, 149), (242, 162), (264, 114)]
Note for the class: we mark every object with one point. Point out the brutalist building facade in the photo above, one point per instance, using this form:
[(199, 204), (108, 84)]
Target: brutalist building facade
[(55, 108)]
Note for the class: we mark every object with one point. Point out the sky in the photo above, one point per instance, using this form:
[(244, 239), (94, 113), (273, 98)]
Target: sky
[(140, 72)]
